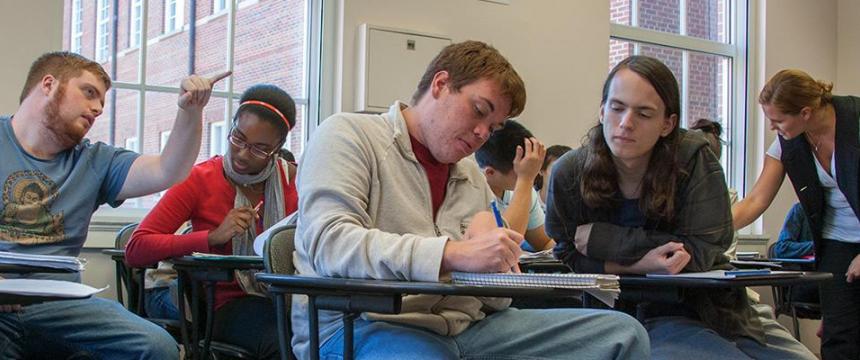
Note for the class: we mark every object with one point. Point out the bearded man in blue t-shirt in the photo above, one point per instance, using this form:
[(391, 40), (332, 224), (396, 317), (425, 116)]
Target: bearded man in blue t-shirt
[(53, 180)]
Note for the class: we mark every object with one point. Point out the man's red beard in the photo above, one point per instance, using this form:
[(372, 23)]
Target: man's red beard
[(63, 131)]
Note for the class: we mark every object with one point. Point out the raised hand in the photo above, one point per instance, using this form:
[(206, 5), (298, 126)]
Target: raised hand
[(529, 159), (194, 91), (236, 222)]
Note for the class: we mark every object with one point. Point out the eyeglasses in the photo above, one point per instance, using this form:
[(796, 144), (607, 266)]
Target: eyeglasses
[(254, 149)]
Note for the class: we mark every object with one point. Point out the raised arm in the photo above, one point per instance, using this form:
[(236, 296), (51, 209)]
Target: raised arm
[(153, 173), (527, 163), (762, 194)]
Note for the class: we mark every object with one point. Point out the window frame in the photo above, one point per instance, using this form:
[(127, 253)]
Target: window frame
[(219, 6), (135, 23), (76, 27), (131, 144), (103, 30), (178, 21), (737, 53)]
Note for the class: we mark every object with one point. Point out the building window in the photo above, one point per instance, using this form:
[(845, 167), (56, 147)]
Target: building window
[(77, 28), (131, 144), (103, 27), (173, 15), (217, 138), (703, 43), (135, 23), (164, 136), (142, 104), (219, 6)]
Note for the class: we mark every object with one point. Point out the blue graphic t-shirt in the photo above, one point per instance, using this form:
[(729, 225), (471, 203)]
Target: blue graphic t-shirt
[(46, 205)]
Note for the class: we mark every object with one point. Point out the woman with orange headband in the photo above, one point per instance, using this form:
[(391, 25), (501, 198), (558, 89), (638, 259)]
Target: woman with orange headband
[(229, 200)]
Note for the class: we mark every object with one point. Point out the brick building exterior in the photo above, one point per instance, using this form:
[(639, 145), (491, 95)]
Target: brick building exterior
[(706, 74), (268, 47)]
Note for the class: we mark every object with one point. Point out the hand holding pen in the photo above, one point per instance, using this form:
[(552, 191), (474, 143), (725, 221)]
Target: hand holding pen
[(237, 221), (485, 247)]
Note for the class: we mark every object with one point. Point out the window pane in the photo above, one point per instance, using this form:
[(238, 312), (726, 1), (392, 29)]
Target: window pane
[(269, 45), (103, 30), (126, 116), (166, 54), (214, 113), (158, 117), (703, 19), (707, 19), (128, 41), (211, 48)]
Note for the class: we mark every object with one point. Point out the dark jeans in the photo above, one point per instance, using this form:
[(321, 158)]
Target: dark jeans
[(840, 302), (251, 323)]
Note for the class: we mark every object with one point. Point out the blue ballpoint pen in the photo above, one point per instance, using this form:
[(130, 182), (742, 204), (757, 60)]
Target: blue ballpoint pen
[(499, 221)]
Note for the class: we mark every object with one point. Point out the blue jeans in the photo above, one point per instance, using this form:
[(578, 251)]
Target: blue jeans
[(508, 334), (678, 337), (89, 328), (159, 304)]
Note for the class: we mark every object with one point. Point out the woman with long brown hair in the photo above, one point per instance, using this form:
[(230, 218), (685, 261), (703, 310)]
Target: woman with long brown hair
[(643, 196)]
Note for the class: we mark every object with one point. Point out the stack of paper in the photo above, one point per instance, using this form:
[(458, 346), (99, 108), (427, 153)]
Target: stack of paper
[(602, 286), (747, 255), (220, 257), (534, 257), (69, 263), (731, 274), (47, 288)]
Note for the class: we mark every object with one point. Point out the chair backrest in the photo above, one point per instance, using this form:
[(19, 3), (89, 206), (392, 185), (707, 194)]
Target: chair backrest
[(278, 250), (123, 235)]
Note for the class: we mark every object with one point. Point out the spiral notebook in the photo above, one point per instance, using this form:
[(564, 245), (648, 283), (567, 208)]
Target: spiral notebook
[(604, 287)]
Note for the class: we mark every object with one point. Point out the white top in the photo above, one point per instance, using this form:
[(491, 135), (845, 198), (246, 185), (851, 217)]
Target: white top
[(840, 222), (536, 212)]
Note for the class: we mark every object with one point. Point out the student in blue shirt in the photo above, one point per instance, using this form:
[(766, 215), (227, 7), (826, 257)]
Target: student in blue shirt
[(53, 181), (510, 160), (795, 239)]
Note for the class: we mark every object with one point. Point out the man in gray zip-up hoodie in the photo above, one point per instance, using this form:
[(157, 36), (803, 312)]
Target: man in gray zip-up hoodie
[(393, 197)]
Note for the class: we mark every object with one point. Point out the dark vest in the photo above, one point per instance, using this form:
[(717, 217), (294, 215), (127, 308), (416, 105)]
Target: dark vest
[(799, 164)]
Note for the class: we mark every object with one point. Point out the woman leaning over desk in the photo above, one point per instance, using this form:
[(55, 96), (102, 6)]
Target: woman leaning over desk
[(643, 196), (818, 147), (229, 200)]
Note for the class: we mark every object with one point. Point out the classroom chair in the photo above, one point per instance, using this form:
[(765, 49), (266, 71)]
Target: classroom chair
[(278, 259), (133, 281), (786, 302)]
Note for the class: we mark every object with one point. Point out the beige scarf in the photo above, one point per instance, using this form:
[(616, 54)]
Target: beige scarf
[(274, 211)]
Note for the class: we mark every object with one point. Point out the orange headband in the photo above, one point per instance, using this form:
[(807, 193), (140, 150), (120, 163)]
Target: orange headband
[(270, 107)]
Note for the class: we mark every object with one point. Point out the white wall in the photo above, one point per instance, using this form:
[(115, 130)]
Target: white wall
[(559, 48), (30, 28), (797, 34), (848, 52)]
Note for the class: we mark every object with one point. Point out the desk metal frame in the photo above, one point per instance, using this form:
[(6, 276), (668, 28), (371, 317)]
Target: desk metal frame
[(208, 272)]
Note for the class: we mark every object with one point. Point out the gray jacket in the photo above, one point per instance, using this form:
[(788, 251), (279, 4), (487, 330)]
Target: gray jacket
[(703, 223), (365, 212)]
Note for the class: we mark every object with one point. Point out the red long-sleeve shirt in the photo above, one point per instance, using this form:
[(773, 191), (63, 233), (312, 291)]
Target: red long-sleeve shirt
[(205, 198)]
